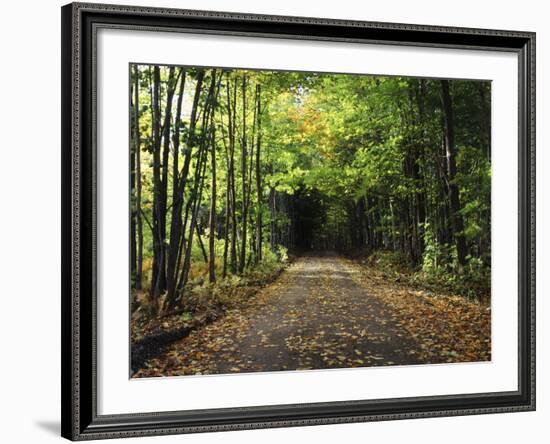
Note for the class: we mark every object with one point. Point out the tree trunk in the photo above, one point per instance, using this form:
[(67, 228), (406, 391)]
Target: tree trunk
[(199, 237), (227, 200), (190, 144), (258, 179), (199, 178), (177, 200), (139, 222), (163, 204), (158, 268), (212, 230), (232, 107), (199, 183), (226, 222), (244, 207), (454, 197), (133, 201), (485, 119), (272, 212)]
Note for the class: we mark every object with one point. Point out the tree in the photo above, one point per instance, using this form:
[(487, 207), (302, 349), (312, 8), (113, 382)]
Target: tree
[(212, 227), (450, 151)]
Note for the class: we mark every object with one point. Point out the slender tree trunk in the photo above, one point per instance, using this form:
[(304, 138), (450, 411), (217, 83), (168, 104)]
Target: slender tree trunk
[(163, 204), (421, 198), (212, 230), (251, 163), (177, 200), (177, 230), (485, 128), (200, 177), (233, 247), (454, 197), (442, 205), (157, 278), (258, 179), (232, 106), (160, 181), (485, 119), (227, 196), (139, 223), (183, 246), (134, 210), (199, 238), (226, 222), (244, 208), (201, 169), (273, 215), (368, 234), (393, 233)]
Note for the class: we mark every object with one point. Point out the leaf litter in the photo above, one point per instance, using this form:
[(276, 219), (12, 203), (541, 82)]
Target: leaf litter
[(330, 312)]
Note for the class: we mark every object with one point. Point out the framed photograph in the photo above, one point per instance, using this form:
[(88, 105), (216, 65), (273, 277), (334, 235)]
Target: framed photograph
[(280, 221)]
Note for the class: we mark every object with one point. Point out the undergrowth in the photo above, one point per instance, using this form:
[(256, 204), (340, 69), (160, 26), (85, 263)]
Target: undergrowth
[(473, 281), (202, 299)]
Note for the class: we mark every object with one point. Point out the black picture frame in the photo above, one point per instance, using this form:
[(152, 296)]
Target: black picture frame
[(80, 420)]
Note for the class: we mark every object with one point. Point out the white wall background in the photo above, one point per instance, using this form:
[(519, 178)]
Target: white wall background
[(30, 220)]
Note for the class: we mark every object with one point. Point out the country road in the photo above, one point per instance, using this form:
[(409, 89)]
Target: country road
[(323, 313)]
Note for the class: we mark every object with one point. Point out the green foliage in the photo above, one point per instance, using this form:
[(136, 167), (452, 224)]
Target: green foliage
[(389, 261), (435, 255), (282, 254), (235, 289), (473, 282), (357, 160)]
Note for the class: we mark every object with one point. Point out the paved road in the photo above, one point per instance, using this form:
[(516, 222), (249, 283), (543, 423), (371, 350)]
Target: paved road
[(314, 316)]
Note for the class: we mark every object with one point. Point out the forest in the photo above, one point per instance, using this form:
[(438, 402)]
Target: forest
[(245, 184)]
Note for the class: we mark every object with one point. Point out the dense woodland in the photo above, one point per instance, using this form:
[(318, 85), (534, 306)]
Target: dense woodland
[(233, 170)]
